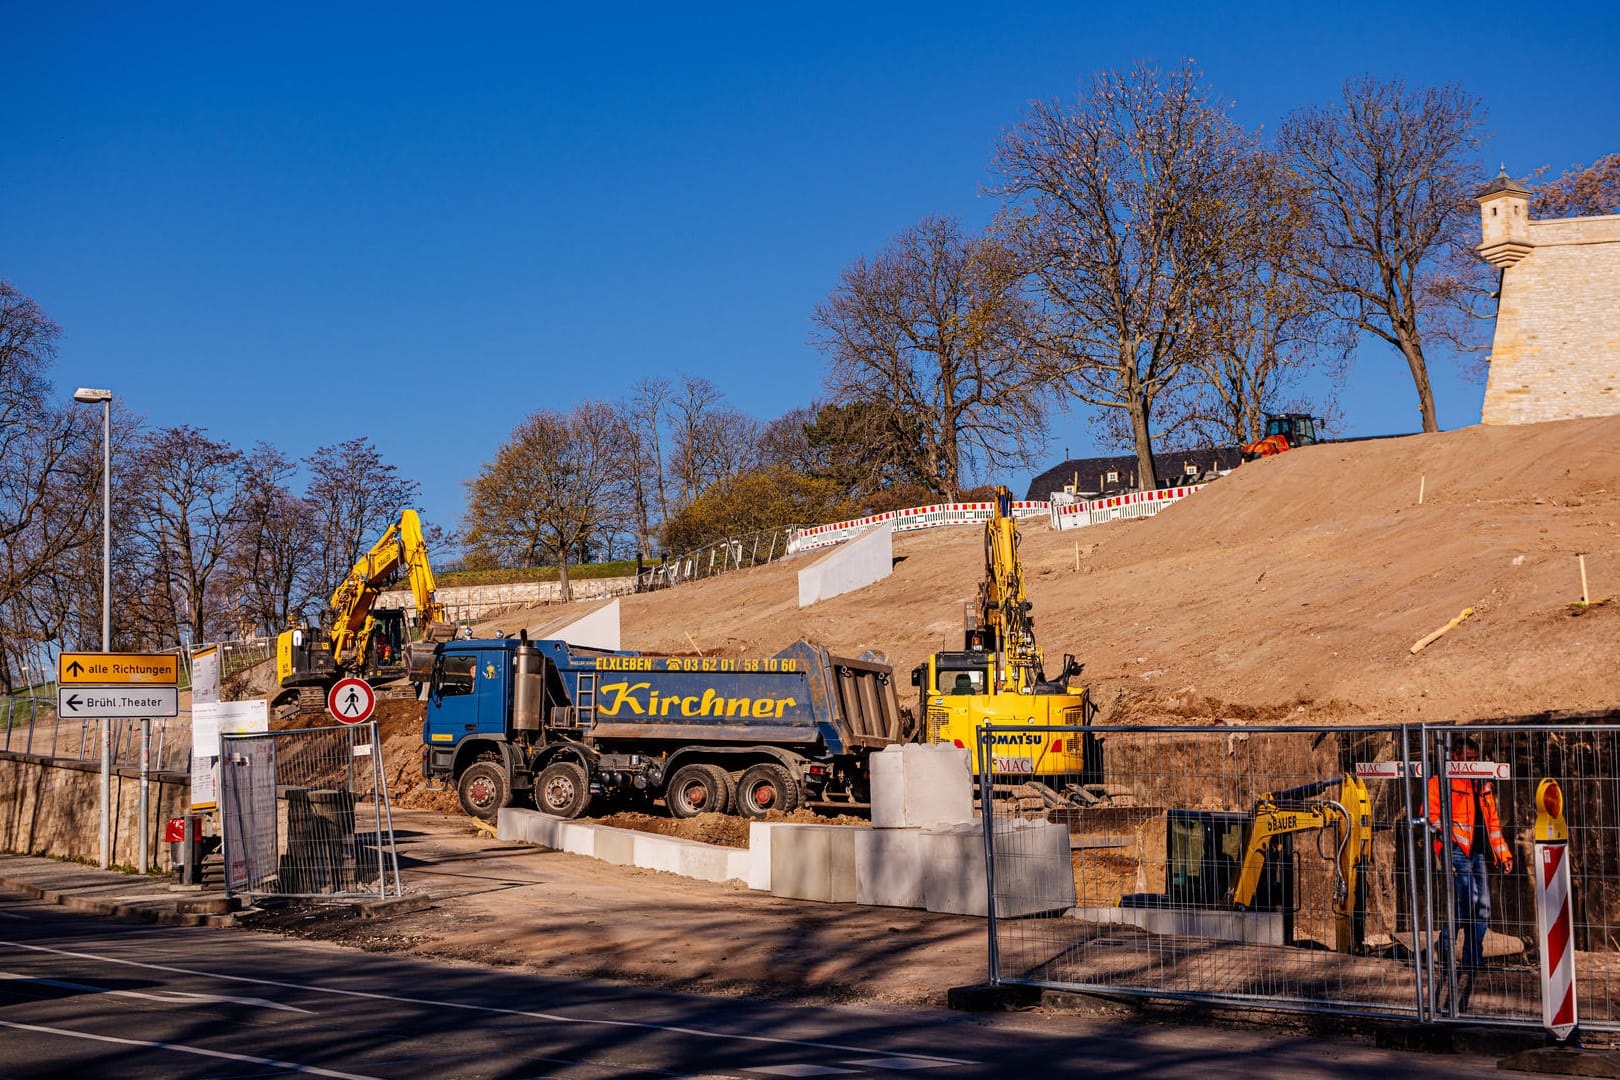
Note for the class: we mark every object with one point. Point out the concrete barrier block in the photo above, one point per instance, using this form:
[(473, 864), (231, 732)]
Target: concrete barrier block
[(578, 838), (852, 565), (813, 862), (705, 862), (739, 864), (1249, 927), (510, 824), (1034, 868), (1034, 871), (938, 788), (889, 868), (616, 846), (654, 852), (889, 788), (759, 855)]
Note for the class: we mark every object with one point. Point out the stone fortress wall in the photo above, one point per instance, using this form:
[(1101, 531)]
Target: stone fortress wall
[(1556, 353)]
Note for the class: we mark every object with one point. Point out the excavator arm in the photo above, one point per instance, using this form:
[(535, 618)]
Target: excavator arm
[(1003, 605), (1304, 809)]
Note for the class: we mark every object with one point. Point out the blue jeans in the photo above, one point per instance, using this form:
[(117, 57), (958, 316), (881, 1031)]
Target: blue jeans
[(1473, 904)]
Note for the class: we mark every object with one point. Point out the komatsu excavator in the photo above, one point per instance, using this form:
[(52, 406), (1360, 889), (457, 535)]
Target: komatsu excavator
[(998, 678), (356, 638)]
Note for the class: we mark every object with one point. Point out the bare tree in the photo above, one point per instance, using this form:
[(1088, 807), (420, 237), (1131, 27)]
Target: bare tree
[(276, 550), (557, 481), (188, 497), (709, 440), (1116, 205), (50, 476), (1583, 191), (1259, 332), (1390, 172), (933, 333), (641, 415), (356, 495)]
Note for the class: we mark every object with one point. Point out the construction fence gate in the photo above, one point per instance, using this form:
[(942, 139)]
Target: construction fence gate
[(1327, 869), (305, 812)]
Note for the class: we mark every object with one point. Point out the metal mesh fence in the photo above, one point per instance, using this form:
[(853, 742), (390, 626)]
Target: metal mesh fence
[(1308, 868), (305, 813)]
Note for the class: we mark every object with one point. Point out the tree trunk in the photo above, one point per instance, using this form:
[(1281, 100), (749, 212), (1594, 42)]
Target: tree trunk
[(564, 590), (1137, 404), (1420, 378)]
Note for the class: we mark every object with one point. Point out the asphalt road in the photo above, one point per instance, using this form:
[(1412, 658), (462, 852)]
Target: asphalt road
[(87, 997)]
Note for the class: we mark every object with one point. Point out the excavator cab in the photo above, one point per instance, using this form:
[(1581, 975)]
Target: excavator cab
[(1284, 431)]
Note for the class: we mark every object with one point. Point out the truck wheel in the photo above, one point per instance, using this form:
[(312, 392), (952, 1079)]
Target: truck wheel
[(766, 787), (484, 789), (696, 789), (728, 789), (563, 790)]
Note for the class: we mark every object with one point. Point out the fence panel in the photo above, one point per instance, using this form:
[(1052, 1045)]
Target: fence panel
[(1226, 865), (1242, 866), (305, 813), (1497, 768)]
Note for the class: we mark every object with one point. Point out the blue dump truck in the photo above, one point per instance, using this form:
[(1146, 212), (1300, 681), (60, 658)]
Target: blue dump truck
[(511, 718)]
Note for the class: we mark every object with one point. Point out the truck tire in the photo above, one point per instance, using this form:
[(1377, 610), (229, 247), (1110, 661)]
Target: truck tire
[(728, 788), (697, 789), (483, 789), (766, 787), (563, 791)]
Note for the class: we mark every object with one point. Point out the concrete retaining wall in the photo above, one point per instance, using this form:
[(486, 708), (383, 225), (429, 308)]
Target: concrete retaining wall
[(52, 807)]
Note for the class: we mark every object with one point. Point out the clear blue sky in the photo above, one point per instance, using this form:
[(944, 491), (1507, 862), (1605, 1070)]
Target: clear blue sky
[(420, 223)]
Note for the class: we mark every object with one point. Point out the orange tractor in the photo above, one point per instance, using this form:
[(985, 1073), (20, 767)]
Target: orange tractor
[(1283, 432)]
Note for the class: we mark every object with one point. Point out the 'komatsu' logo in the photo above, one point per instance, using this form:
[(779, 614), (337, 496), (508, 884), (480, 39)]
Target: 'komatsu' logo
[(1026, 739)]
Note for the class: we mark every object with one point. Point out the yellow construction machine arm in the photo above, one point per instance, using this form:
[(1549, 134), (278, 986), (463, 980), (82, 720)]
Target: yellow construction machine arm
[(1003, 605), (357, 593), (1304, 809), (418, 570)]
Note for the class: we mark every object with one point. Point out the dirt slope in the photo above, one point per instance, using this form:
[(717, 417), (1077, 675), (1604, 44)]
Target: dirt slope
[(1291, 589)]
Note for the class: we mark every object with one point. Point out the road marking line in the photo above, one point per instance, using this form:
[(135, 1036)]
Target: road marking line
[(800, 1070), (163, 997), (900, 1062), (181, 1048), (464, 1006), (12, 915)]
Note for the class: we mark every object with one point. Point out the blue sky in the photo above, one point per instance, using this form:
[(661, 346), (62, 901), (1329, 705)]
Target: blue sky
[(420, 223)]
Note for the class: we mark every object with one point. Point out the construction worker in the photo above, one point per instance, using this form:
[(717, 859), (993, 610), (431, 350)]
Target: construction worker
[(1476, 825)]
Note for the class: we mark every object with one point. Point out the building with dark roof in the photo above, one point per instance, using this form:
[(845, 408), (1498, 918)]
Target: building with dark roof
[(1092, 478)]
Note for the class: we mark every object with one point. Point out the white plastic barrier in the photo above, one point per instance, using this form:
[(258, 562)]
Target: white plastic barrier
[(908, 520), (1137, 504)]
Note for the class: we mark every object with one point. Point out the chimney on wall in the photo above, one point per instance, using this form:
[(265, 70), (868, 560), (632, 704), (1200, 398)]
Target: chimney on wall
[(1504, 222)]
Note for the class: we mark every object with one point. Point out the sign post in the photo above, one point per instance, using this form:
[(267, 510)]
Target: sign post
[(1554, 917), (104, 685)]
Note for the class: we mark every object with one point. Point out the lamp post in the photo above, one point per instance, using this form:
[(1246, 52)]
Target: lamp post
[(90, 396)]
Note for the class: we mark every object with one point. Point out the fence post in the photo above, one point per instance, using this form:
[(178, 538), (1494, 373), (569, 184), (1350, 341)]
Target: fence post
[(1419, 826), (987, 803), (146, 772)]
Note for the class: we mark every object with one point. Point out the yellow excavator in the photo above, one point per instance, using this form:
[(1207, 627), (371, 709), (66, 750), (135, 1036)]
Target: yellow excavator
[(998, 678), (1232, 859), (357, 638)]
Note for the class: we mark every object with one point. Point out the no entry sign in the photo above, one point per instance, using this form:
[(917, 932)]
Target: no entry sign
[(351, 701)]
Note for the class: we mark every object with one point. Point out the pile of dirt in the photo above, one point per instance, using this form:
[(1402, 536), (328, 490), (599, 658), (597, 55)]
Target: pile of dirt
[(1289, 591), (722, 829)]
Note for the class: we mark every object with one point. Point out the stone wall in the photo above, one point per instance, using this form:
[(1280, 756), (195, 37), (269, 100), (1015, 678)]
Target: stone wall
[(51, 807), (1556, 353), (466, 603)]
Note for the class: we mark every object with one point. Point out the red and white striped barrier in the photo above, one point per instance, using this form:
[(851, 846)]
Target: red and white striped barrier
[(1137, 504), (908, 520), (1554, 916)]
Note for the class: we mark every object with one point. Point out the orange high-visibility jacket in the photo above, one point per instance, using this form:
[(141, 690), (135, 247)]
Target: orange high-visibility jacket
[(1462, 816)]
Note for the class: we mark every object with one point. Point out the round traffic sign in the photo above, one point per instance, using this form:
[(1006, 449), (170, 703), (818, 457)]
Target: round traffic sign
[(351, 701)]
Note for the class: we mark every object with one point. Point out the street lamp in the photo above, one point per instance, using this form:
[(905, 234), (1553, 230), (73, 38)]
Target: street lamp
[(90, 396)]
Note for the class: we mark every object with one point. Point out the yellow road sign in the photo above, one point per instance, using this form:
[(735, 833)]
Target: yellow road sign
[(117, 669)]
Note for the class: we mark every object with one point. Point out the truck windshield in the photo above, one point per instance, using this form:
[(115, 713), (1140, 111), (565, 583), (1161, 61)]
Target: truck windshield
[(456, 675)]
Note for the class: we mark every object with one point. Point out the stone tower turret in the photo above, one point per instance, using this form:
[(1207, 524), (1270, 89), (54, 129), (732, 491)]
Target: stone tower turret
[(1504, 211)]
